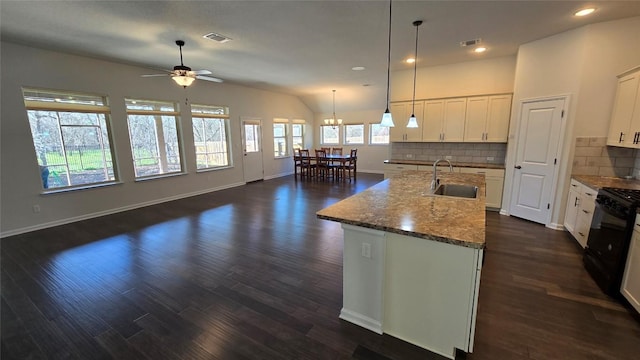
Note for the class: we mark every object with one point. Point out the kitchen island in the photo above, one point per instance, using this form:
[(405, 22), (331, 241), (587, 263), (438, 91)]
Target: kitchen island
[(412, 261)]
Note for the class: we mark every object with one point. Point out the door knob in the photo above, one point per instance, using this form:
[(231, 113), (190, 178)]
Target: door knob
[(518, 167)]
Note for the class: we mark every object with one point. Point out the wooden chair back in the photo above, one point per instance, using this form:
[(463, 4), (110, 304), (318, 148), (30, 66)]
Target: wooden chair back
[(336, 151)]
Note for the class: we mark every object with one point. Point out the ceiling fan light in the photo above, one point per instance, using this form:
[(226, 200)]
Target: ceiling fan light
[(413, 122), (387, 119), (183, 81)]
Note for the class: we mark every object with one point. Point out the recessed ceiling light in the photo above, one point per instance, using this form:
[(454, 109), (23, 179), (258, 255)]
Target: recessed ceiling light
[(358, 68), (584, 12), (217, 37), (410, 60), (480, 49)]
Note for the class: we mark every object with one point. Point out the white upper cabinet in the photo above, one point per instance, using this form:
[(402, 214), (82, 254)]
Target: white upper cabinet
[(487, 118), (624, 129), (401, 113), (444, 120)]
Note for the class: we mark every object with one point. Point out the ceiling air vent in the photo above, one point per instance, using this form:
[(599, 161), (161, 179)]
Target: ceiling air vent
[(470, 42), (217, 37)]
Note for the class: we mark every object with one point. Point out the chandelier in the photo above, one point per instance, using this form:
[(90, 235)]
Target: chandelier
[(333, 121)]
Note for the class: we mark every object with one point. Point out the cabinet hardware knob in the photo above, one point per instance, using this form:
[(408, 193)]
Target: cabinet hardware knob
[(518, 167), (575, 203), (581, 234), (585, 211), (621, 136)]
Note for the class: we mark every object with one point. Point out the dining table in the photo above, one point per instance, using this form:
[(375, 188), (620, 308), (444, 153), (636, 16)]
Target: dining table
[(332, 158)]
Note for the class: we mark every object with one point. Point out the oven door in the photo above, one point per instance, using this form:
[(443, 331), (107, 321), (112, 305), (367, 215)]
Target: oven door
[(607, 245)]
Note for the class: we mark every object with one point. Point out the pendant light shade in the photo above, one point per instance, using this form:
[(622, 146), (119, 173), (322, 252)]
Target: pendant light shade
[(387, 119), (413, 122)]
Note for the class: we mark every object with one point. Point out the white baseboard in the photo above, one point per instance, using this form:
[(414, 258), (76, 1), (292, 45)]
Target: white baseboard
[(361, 320), (556, 226), (504, 212), (270, 177), (113, 211)]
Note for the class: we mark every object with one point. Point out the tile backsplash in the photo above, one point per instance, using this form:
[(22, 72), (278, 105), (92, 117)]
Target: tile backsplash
[(459, 152), (592, 156)]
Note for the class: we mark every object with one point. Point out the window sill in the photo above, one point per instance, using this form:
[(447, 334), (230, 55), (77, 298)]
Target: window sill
[(80, 187), (161, 176), (282, 157), (214, 169)]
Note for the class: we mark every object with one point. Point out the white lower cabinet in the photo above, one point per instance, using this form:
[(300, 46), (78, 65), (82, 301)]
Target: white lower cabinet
[(630, 287), (580, 206), (494, 181), (395, 169)]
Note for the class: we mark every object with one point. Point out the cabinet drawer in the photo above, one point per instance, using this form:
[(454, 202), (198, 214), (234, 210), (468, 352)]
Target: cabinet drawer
[(487, 172)]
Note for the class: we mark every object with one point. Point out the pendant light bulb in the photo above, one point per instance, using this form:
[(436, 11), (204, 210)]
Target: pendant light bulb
[(387, 119)]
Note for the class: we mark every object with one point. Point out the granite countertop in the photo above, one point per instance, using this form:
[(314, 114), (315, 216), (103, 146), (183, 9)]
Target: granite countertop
[(444, 163), (598, 182), (398, 205)]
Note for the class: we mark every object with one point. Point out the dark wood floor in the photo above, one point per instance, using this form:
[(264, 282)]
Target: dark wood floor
[(250, 273)]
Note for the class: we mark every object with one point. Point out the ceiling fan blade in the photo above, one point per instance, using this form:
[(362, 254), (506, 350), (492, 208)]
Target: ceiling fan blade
[(208, 78), (153, 75), (202, 72)]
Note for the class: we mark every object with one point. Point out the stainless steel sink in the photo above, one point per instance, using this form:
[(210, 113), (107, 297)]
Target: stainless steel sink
[(455, 190)]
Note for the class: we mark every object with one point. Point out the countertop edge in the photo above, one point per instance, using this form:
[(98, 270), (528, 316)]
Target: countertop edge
[(455, 164)]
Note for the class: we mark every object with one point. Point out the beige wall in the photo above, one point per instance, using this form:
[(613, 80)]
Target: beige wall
[(583, 65), (21, 188)]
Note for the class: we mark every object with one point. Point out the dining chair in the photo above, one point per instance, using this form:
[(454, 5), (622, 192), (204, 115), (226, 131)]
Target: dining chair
[(336, 151), (326, 149), (323, 167), (350, 165), (297, 162), (307, 168)]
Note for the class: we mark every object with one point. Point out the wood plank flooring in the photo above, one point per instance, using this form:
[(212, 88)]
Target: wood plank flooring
[(250, 273)]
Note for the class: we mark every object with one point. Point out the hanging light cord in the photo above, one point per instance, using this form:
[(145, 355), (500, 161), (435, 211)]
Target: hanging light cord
[(415, 64), (389, 56)]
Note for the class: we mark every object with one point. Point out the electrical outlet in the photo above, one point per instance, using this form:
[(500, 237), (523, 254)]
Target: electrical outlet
[(366, 250), (409, 156), (36, 209), (448, 157), (490, 158)]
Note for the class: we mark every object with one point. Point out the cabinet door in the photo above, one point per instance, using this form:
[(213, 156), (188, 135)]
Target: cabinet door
[(630, 287), (571, 213), (498, 116), (476, 119), (397, 133), (494, 191), (433, 118), (626, 93), (454, 115)]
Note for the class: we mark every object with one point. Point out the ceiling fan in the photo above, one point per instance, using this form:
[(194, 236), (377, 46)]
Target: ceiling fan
[(183, 75)]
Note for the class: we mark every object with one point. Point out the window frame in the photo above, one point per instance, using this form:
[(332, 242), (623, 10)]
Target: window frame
[(158, 115), (371, 135), (345, 128), (286, 141), (59, 103), (218, 113), (302, 125), (322, 139)]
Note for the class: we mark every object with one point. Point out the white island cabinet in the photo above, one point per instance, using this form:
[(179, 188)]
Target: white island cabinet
[(412, 262), (630, 287)]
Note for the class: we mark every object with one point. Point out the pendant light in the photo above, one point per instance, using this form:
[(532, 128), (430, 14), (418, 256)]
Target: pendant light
[(333, 121), (387, 119), (413, 122)]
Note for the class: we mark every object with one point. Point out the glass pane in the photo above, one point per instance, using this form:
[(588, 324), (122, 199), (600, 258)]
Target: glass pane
[(171, 144), (144, 145), (354, 134), (379, 134), (210, 142), (330, 135), (280, 147), (279, 130), (251, 138), (84, 152), (297, 129)]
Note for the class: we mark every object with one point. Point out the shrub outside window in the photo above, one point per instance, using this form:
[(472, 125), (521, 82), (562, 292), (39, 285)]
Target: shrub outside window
[(329, 135), (280, 147), (71, 137), (378, 135), (211, 136), (354, 134), (153, 132)]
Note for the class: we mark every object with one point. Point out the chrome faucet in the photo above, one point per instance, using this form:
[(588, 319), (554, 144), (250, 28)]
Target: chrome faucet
[(435, 181)]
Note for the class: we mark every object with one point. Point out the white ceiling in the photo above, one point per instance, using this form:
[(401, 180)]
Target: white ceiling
[(303, 48)]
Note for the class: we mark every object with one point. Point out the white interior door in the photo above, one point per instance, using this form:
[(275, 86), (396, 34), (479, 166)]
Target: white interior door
[(535, 166), (252, 144)]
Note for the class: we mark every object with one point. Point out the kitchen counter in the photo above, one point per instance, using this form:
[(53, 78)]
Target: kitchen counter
[(398, 205), (444, 163), (412, 262), (598, 182)]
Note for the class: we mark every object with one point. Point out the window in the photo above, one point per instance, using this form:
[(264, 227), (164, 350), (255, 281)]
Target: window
[(354, 134), (211, 136), (329, 135), (280, 147), (378, 134), (70, 133), (297, 128), (153, 131)]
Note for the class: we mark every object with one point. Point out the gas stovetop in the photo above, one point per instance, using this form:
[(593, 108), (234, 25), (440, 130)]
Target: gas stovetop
[(625, 196)]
